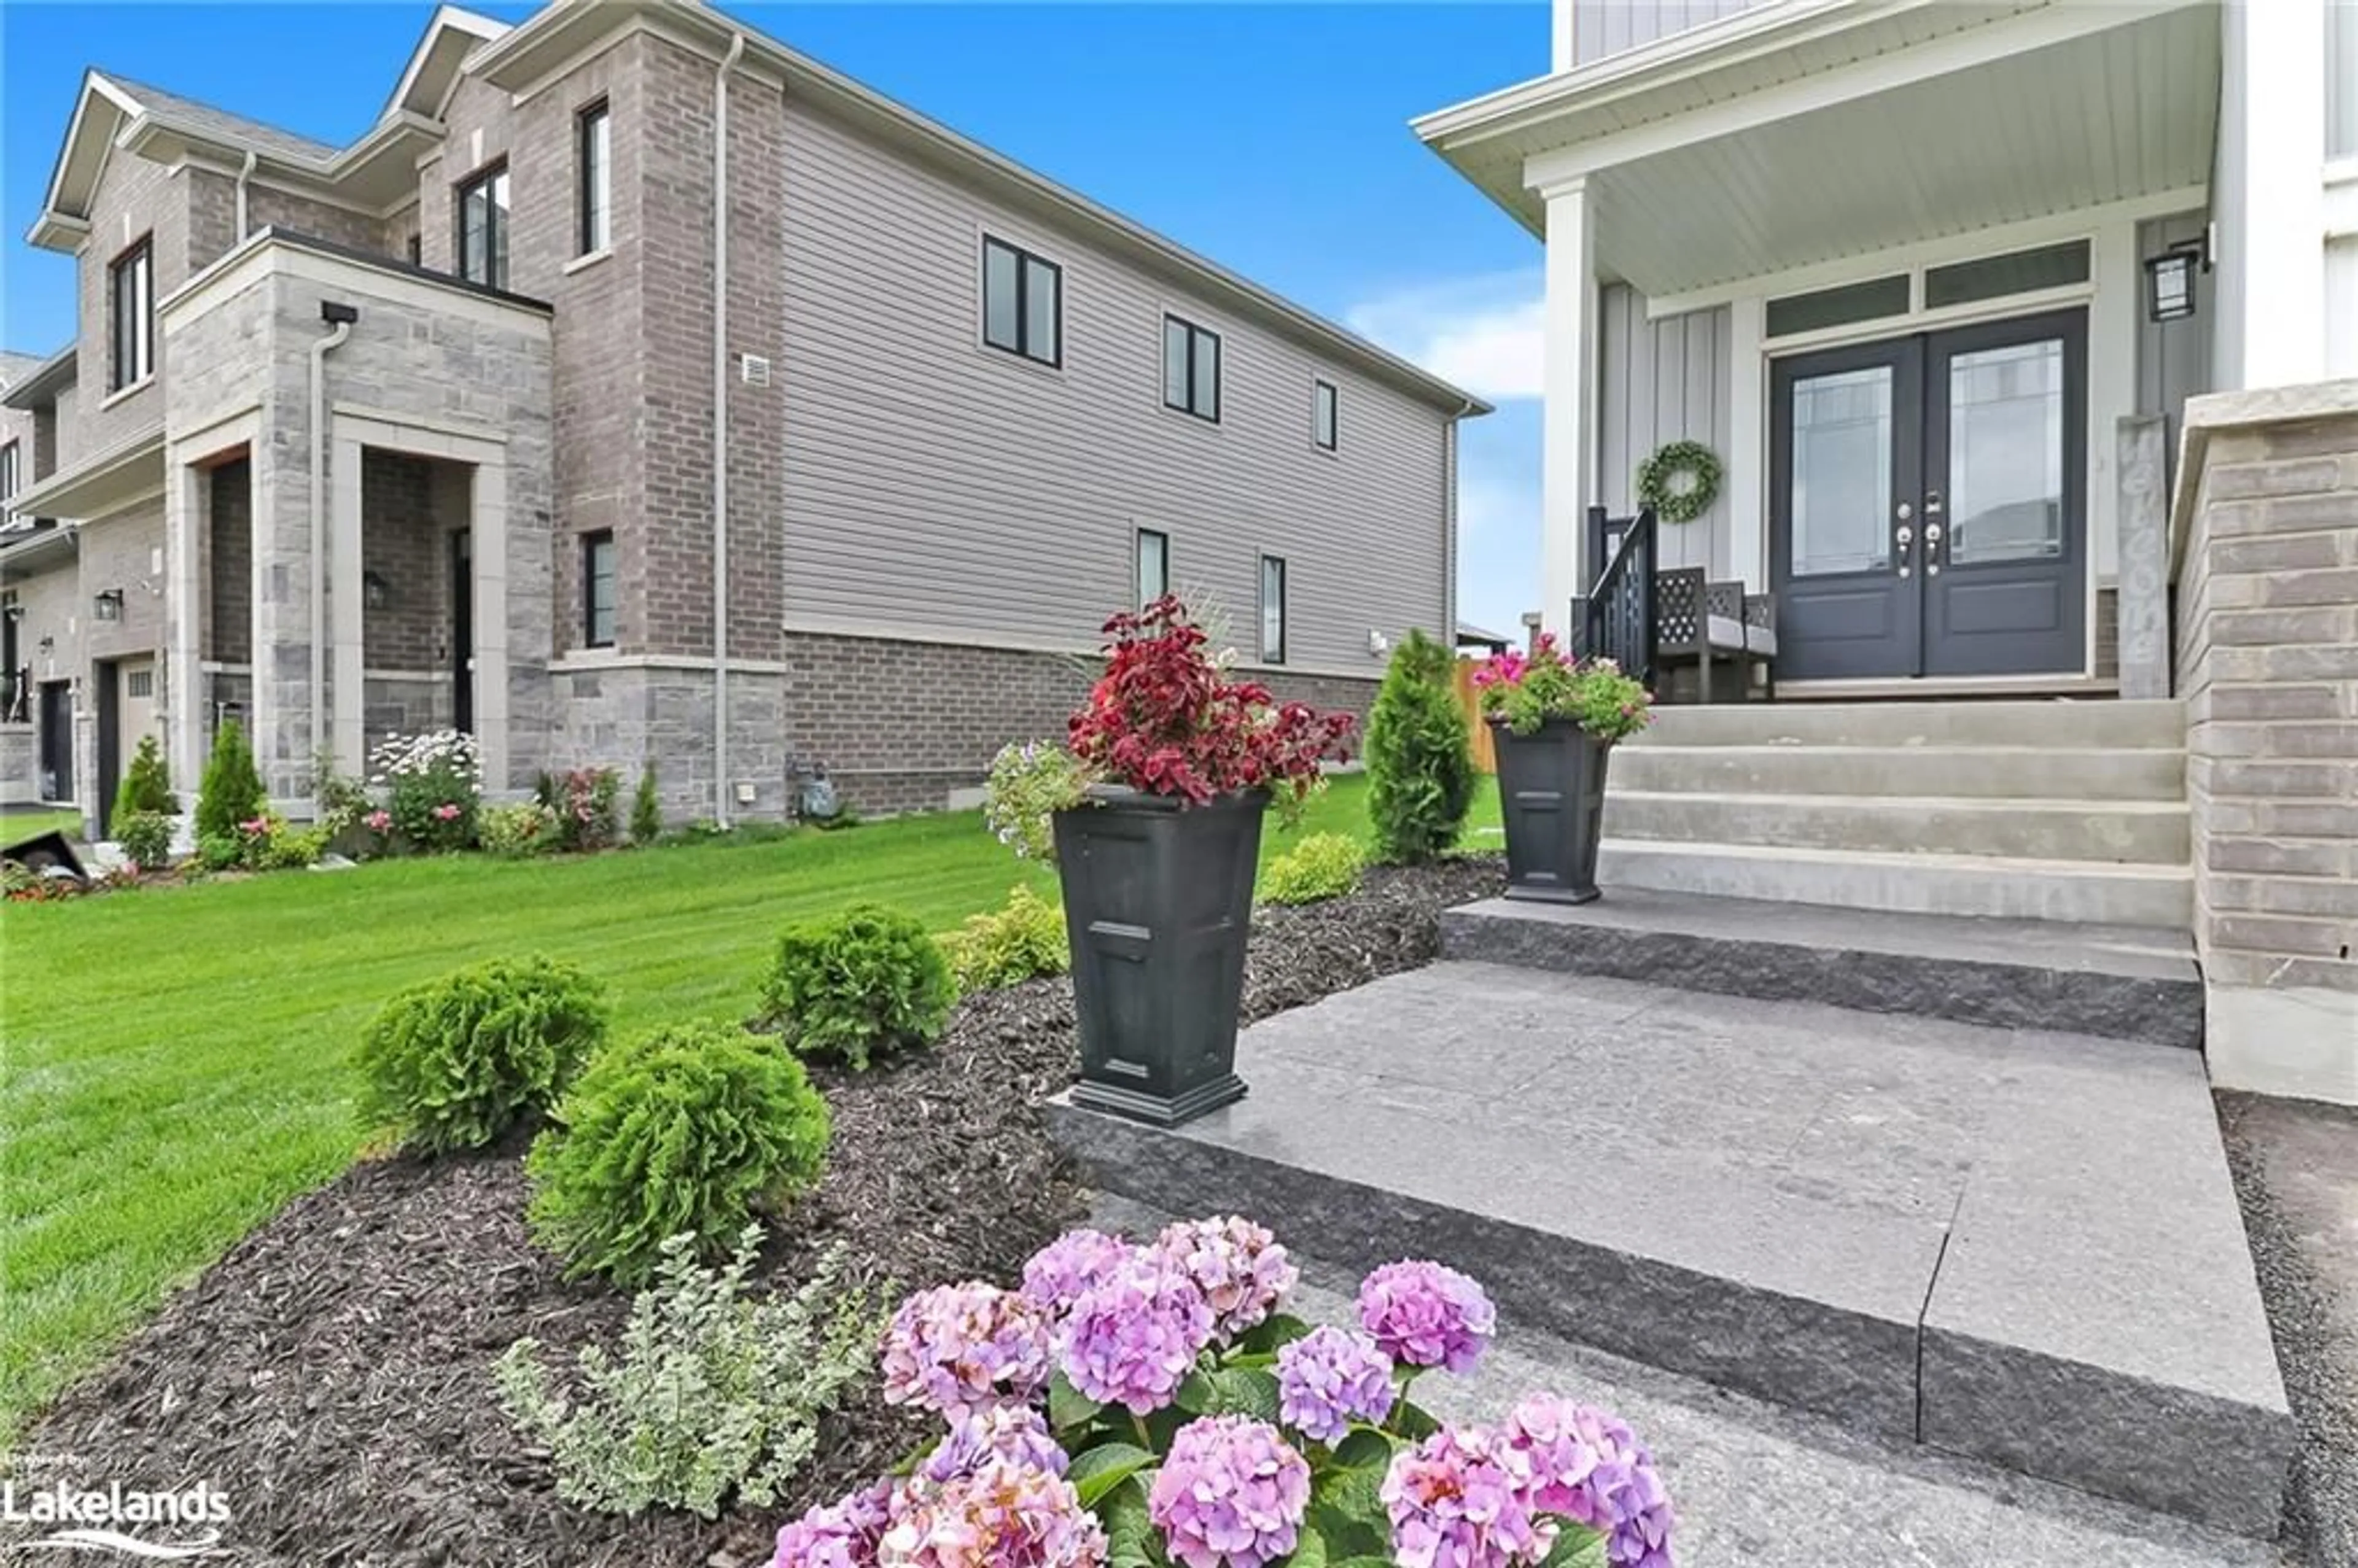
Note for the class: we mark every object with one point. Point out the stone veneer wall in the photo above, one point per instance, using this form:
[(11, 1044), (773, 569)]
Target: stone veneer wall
[(2268, 665)]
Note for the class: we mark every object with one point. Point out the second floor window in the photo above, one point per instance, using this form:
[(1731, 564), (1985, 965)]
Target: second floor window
[(130, 305), (1191, 369), (598, 596), (484, 228), (1326, 414), (1273, 610), (597, 180), (1023, 303), (1153, 566), (7, 479)]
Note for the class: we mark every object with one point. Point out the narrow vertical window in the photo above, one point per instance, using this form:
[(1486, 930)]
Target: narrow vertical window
[(598, 597), (1153, 566), (1325, 415), (416, 249), (484, 228), (596, 179), (1191, 369), (1273, 610), (8, 475), (1022, 302), (131, 289)]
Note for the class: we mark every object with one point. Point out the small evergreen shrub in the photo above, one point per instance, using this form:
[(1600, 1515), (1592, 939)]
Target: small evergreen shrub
[(231, 790), (454, 1063), (692, 1129), (217, 853), (146, 787), (586, 815), (709, 1390), (646, 809), (1322, 866), (281, 847), (858, 984), (1020, 941), (515, 831), (145, 839), (1420, 758)]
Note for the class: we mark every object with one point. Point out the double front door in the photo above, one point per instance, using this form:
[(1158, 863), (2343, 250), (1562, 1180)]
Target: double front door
[(1929, 503)]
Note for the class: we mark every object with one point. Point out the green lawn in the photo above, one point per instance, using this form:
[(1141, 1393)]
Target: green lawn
[(175, 1064), (18, 825)]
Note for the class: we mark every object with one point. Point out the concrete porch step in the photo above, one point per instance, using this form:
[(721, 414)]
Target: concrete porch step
[(2143, 832), (2117, 982), (2007, 1244), (2141, 773), (2159, 725), (2078, 891)]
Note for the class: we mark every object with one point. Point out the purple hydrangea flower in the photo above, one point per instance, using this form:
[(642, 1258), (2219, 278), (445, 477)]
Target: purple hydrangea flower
[(1004, 1516), (1060, 1271), (1238, 1265), (1013, 1433), (1330, 1378), (1642, 1539), (1462, 1499), (960, 1348), (1231, 1493), (1130, 1339), (842, 1534), (1426, 1315), (1587, 1466)]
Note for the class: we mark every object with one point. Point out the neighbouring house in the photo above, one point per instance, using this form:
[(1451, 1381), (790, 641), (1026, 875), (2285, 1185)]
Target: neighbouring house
[(2023, 337), (420, 432)]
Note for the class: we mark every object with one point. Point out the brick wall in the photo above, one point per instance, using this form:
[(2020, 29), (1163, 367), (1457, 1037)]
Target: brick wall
[(2268, 594), (403, 542), (229, 563)]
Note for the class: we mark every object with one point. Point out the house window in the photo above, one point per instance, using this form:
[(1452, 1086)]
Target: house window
[(1839, 307), (484, 228), (131, 296), (592, 142), (1023, 303), (1326, 414), (139, 682), (598, 588), (416, 249), (1191, 369), (1273, 610), (7, 478), (1153, 564), (2017, 272)]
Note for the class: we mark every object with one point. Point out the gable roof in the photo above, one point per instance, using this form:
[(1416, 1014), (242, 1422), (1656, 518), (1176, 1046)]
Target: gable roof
[(208, 123)]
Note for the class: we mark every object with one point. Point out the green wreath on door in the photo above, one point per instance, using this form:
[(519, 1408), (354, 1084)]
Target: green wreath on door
[(1680, 481)]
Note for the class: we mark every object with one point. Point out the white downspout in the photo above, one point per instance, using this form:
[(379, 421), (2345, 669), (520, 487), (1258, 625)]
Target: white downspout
[(320, 349), (720, 794), (244, 173)]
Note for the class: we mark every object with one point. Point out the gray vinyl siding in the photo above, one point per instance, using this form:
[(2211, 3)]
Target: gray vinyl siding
[(2341, 80), (1662, 382), (937, 487), (1602, 27), (2173, 358)]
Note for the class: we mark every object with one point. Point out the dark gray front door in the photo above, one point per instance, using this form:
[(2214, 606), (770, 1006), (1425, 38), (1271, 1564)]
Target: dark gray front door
[(1927, 509)]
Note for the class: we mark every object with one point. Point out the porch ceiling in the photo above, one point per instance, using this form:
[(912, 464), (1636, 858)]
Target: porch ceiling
[(1763, 150)]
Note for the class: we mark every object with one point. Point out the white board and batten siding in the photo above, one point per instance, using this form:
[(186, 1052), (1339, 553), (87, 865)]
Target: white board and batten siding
[(1664, 381), (942, 489), (1602, 27)]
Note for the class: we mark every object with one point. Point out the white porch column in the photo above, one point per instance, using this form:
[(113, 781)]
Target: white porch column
[(2271, 201), (1745, 483), (347, 649), (185, 612), (488, 520), (1568, 444)]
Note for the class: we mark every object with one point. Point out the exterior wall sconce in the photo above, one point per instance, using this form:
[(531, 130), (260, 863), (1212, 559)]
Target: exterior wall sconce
[(375, 592), (108, 605), (14, 612), (2169, 280)]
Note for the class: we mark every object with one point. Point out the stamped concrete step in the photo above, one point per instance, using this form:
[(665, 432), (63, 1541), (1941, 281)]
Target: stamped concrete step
[(2117, 982), (2159, 725), (2038, 772), (2146, 832), (2079, 891), (1768, 1195)]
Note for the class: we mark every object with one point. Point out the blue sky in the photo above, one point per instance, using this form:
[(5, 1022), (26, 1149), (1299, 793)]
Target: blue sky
[(1273, 138)]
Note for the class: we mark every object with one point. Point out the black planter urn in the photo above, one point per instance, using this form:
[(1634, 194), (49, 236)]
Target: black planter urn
[(1552, 793), (1158, 901)]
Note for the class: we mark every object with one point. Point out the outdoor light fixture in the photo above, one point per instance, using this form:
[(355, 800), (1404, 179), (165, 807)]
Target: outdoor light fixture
[(14, 612), (374, 592), (108, 605), (2169, 280)]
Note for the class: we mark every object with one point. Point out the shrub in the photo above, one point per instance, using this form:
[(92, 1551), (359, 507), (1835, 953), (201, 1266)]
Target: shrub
[(691, 1129), (1322, 866), (1420, 758), (220, 852), (858, 984), (146, 787), (1020, 941), (145, 839), (436, 783), (708, 1388), (343, 806), (586, 818), (454, 1063), (515, 831), (231, 790), (1526, 691), (646, 809)]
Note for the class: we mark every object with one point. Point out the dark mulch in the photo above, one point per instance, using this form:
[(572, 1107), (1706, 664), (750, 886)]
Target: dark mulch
[(331, 1374)]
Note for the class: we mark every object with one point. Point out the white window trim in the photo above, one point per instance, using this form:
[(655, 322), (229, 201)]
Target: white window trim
[(1316, 382)]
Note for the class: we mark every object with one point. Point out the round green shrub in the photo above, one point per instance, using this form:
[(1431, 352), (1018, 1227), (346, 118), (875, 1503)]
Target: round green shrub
[(1419, 756), (1020, 941), (231, 790), (515, 831), (692, 1129), (455, 1062), (145, 839), (1322, 866), (859, 985)]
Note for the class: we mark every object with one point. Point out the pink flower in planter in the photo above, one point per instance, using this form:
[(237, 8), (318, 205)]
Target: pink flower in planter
[(379, 821), (446, 812)]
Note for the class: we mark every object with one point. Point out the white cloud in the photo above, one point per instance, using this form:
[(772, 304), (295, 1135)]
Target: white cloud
[(1487, 334)]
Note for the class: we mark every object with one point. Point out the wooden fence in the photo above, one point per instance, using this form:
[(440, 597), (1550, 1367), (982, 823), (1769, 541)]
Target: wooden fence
[(1484, 759)]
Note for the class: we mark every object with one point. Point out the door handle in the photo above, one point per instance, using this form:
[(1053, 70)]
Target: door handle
[(1932, 545), (1932, 503), (1904, 538)]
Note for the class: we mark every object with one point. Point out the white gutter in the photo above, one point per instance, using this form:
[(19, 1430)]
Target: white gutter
[(320, 349), (244, 173), (720, 430)]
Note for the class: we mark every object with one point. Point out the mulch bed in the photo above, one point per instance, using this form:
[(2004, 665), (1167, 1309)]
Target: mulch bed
[(331, 1374)]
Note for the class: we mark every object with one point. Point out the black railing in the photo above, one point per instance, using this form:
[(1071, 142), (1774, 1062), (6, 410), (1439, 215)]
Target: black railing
[(1616, 620)]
